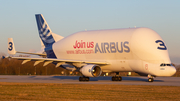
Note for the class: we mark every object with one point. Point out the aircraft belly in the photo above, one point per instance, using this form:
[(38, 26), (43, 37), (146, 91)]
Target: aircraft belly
[(117, 66), (136, 65)]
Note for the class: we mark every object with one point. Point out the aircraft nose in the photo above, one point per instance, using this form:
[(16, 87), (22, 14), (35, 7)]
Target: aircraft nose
[(172, 70)]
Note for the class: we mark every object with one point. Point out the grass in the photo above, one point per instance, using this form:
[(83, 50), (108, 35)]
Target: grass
[(74, 92)]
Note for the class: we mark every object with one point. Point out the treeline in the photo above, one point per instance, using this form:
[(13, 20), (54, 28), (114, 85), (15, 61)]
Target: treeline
[(15, 67), (177, 71)]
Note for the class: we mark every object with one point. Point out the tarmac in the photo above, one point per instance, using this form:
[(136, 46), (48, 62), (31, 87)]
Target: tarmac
[(126, 80)]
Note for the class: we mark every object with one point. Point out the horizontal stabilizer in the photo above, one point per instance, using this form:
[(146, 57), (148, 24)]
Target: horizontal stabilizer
[(12, 51), (31, 53)]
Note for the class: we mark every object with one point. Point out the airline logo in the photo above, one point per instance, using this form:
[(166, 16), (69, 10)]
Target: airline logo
[(112, 47), (82, 47), (44, 31)]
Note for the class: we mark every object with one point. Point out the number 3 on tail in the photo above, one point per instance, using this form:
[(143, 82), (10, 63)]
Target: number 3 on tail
[(10, 46), (162, 45)]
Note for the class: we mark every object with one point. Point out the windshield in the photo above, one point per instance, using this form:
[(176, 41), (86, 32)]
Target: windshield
[(163, 64)]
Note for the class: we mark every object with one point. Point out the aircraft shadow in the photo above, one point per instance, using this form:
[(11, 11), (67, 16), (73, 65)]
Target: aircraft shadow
[(108, 78), (139, 79)]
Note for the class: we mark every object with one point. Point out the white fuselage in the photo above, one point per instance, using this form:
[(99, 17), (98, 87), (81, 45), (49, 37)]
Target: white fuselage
[(140, 50)]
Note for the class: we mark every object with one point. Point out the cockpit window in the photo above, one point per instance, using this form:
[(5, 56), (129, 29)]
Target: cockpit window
[(168, 64), (163, 64)]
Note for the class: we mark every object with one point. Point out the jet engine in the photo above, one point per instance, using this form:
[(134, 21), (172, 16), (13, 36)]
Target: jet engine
[(91, 70)]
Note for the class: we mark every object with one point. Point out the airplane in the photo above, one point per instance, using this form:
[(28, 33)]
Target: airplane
[(139, 50)]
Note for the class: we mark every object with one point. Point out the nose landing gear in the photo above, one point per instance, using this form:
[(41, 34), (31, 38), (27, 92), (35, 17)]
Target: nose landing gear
[(150, 78)]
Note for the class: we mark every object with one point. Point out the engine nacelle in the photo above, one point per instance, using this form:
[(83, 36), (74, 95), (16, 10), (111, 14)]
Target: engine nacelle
[(91, 70)]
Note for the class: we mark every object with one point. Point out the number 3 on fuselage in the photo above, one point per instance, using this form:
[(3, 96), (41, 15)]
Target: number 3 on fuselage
[(161, 44)]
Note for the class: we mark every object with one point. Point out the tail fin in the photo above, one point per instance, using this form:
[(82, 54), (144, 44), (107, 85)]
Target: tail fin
[(11, 48), (45, 32)]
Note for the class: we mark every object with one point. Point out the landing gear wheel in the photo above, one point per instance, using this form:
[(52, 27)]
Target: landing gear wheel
[(113, 78), (83, 78), (86, 78), (116, 78), (119, 78), (80, 79), (150, 80)]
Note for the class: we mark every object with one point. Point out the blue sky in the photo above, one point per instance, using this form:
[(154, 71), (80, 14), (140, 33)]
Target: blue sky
[(65, 17)]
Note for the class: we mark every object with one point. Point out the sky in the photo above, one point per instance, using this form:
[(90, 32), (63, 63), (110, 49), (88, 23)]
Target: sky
[(65, 17)]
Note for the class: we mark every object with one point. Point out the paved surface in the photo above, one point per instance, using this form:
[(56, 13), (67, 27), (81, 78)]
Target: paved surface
[(160, 81)]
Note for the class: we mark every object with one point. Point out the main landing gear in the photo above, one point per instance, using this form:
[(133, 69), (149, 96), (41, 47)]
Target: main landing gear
[(83, 78), (116, 77), (150, 78)]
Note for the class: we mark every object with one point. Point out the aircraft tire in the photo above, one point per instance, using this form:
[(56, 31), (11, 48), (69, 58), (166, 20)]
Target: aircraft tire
[(113, 78), (116, 78), (80, 79), (83, 78), (86, 78), (119, 78), (150, 80)]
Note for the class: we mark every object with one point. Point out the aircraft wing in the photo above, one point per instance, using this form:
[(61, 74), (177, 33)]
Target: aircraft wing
[(58, 61)]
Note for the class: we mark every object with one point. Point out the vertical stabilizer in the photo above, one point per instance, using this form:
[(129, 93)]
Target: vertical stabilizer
[(45, 32), (11, 48)]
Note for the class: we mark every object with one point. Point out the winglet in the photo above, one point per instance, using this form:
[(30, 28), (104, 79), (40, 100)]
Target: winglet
[(11, 48)]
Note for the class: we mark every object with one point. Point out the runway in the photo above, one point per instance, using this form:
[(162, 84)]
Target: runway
[(158, 81)]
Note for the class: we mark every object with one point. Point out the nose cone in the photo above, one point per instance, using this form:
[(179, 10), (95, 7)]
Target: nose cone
[(172, 70)]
